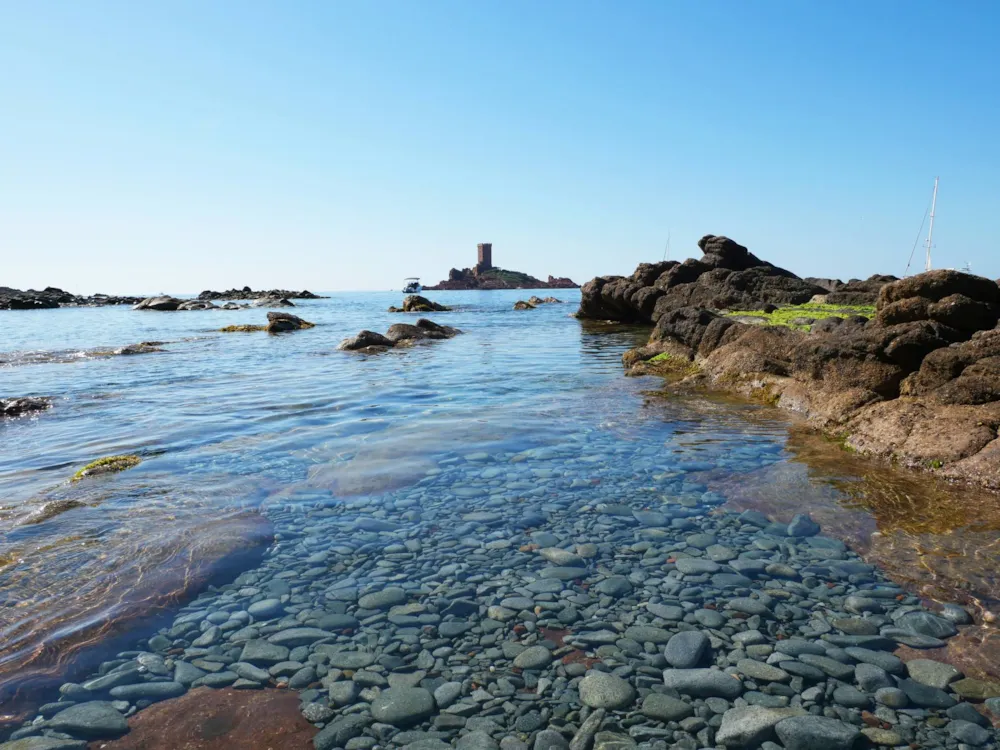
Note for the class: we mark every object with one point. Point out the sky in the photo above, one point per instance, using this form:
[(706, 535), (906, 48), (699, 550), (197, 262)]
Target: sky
[(340, 144)]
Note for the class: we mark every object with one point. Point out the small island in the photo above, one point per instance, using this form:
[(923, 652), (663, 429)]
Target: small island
[(485, 276)]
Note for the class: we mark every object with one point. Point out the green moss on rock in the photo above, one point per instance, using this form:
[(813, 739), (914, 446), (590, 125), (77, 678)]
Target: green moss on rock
[(242, 329), (796, 316), (107, 465)]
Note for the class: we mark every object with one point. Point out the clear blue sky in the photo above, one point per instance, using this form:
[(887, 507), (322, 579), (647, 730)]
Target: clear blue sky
[(344, 145)]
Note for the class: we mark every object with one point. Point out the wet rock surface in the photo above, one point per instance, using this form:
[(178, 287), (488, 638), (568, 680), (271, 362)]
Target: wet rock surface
[(398, 335), (918, 383), (17, 407), (479, 609), (207, 719), (416, 303)]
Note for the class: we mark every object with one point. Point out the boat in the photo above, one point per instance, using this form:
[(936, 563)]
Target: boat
[(928, 244), (412, 286)]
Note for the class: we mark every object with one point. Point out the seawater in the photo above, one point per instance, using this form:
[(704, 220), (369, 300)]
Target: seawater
[(232, 425)]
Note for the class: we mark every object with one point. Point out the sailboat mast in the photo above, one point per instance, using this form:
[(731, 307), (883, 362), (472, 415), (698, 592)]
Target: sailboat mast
[(930, 230)]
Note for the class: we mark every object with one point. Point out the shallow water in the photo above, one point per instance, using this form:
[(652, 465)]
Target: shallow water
[(230, 425)]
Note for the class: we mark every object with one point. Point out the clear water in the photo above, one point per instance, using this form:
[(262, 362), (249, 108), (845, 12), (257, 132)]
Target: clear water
[(229, 423)]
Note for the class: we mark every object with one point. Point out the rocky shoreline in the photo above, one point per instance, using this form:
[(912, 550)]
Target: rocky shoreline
[(52, 297), (917, 383), (441, 616)]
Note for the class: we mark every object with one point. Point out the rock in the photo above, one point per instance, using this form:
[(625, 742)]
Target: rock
[(266, 609), (727, 276), (927, 623), (403, 707), (522, 305), (816, 733), (159, 303), (535, 657), (262, 653), (384, 599), (749, 726), (665, 708), (151, 691), (604, 690), (279, 322), (478, 740), (759, 671), (802, 525), (969, 733), (366, 341), (933, 673), (299, 637), (16, 407), (686, 649), (92, 720), (43, 743), (925, 696), (340, 731), (416, 303), (972, 689), (549, 739), (703, 683)]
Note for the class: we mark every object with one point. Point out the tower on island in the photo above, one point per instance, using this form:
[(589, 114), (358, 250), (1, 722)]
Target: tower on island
[(485, 256)]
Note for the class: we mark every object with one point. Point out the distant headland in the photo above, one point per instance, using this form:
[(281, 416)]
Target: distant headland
[(485, 276)]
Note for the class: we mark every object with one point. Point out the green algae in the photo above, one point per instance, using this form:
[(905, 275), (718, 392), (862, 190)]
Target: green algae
[(242, 329), (107, 465), (790, 316)]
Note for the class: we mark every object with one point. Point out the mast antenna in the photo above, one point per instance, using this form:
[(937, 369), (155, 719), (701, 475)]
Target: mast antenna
[(930, 230), (666, 250)]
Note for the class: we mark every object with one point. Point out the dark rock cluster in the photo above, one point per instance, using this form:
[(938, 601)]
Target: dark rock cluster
[(52, 297), (399, 334), (919, 382), (416, 303), (248, 293), (728, 276), (16, 407)]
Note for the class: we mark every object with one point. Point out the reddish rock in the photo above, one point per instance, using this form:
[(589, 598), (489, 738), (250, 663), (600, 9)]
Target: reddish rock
[(207, 719)]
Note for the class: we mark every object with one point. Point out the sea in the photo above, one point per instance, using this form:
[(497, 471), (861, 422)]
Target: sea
[(230, 426)]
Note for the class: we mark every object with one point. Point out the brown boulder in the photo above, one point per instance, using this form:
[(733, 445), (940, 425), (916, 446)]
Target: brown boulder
[(904, 311), (965, 314), (280, 322), (961, 373), (936, 285), (206, 719), (416, 303), (367, 341)]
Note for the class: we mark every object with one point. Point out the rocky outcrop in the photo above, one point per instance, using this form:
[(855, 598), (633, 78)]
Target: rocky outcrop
[(498, 278), (161, 304), (16, 407), (535, 300), (728, 276), (248, 293), (918, 383), (416, 303), (522, 305), (51, 297), (399, 334), (280, 322)]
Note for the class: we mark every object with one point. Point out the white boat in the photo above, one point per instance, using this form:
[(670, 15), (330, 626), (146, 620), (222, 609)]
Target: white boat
[(412, 286)]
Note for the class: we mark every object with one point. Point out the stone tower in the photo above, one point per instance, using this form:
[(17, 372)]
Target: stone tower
[(485, 260)]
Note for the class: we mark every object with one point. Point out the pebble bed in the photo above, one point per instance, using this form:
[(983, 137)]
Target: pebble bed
[(555, 598)]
